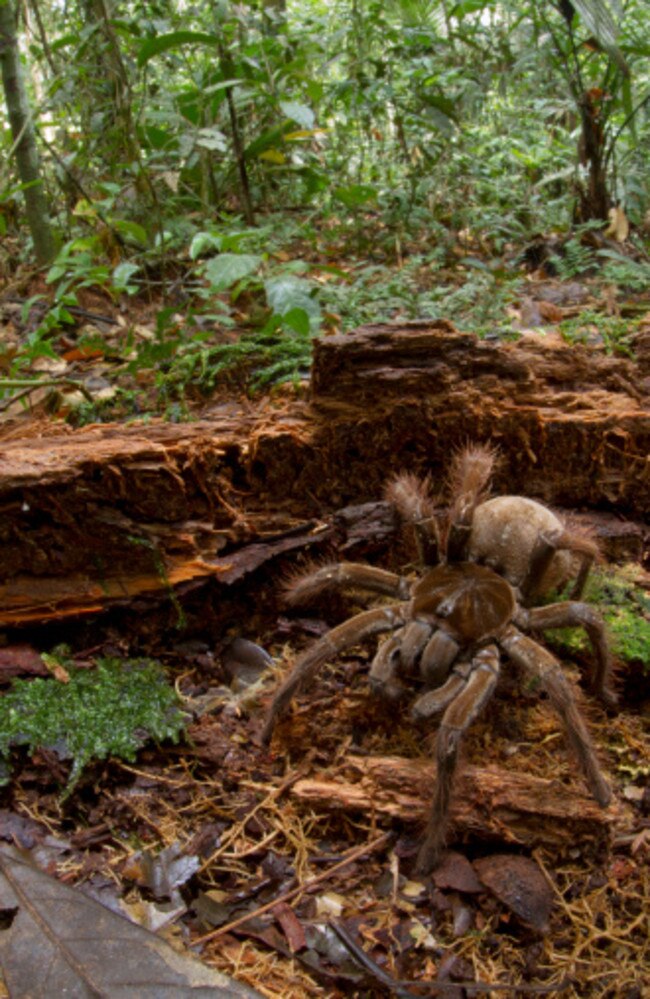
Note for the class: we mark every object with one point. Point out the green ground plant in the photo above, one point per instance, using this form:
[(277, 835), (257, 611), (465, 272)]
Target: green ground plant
[(625, 606), (111, 710)]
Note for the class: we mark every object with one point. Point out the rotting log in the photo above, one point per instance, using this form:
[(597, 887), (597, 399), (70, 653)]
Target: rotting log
[(572, 423), (102, 515), (489, 803)]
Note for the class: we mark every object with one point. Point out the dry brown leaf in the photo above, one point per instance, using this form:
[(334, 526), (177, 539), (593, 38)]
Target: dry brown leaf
[(519, 883), (619, 227), (58, 941)]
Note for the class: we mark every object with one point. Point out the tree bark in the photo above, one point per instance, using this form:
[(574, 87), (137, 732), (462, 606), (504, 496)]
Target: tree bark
[(24, 136)]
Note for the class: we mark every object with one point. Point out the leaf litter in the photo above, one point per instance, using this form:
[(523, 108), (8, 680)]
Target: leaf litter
[(206, 841)]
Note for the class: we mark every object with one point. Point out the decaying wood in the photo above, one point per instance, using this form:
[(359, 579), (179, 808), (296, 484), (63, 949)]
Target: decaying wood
[(573, 423), (488, 803), (101, 515)]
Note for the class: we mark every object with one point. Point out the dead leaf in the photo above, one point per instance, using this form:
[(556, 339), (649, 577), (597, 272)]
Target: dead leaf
[(164, 872), (518, 883), (550, 313), (456, 872), (462, 914), (619, 227), (291, 927), (82, 354), (15, 660), (529, 314), (57, 942), (56, 668), (244, 662), (330, 904)]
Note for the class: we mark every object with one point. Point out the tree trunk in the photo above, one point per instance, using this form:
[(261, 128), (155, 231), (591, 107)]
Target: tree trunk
[(24, 136), (594, 200)]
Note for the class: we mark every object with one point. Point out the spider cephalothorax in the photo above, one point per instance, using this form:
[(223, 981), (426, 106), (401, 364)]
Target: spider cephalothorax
[(483, 563)]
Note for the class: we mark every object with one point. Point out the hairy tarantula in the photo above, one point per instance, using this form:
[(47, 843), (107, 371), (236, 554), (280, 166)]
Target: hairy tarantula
[(483, 564)]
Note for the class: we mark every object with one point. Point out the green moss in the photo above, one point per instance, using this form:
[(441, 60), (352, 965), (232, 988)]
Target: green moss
[(625, 607), (111, 710)]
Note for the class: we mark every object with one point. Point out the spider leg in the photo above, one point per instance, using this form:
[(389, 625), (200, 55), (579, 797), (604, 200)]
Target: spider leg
[(370, 622), (574, 614), (432, 702), (398, 654), (438, 657), (474, 693), (540, 664), (344, 575), (550, 542)]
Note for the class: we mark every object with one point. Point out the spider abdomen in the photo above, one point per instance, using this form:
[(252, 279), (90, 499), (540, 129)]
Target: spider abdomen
[(505, 530)]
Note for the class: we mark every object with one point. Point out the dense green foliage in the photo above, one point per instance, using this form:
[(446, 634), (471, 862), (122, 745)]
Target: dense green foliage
[(274, 170), (111, 710)]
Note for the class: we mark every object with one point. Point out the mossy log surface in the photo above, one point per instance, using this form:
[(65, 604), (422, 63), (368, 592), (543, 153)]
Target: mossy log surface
[(110, 514)]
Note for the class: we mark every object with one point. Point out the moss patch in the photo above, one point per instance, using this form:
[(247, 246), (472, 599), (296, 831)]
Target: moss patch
[(112, 710), (625, 607)]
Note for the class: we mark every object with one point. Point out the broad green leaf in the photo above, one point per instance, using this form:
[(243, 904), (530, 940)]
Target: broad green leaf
[(298, 321), (202, 243), (122, 275), (132, 230), (267, 140), (162, 43), (273, 156), (460, 10), (440, 121), (355, 195), (300, 113), (289, 292), (304, 133), (225, 270), (212, 138), (598, 19), (221, 85)]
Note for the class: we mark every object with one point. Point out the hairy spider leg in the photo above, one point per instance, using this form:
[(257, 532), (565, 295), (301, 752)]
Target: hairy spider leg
[(547, 544), (575, 614), (351, 632), (538, 663), (398, 655), (342, 575), (411, 497), (474, 693), (438, 657), (470, 475)]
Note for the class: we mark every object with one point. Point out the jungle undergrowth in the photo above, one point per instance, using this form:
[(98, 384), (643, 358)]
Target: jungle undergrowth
[(255, 297)]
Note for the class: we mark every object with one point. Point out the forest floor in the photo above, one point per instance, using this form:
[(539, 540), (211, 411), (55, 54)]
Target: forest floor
[(209, 842)]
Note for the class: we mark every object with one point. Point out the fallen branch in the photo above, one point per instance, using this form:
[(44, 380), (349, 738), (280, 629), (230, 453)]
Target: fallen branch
[(489, 802)]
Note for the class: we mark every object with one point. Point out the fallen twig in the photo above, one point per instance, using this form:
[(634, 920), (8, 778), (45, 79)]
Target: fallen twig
[(401, 987)]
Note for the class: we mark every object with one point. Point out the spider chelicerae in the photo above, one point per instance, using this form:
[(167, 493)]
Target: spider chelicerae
[(484, 564)]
